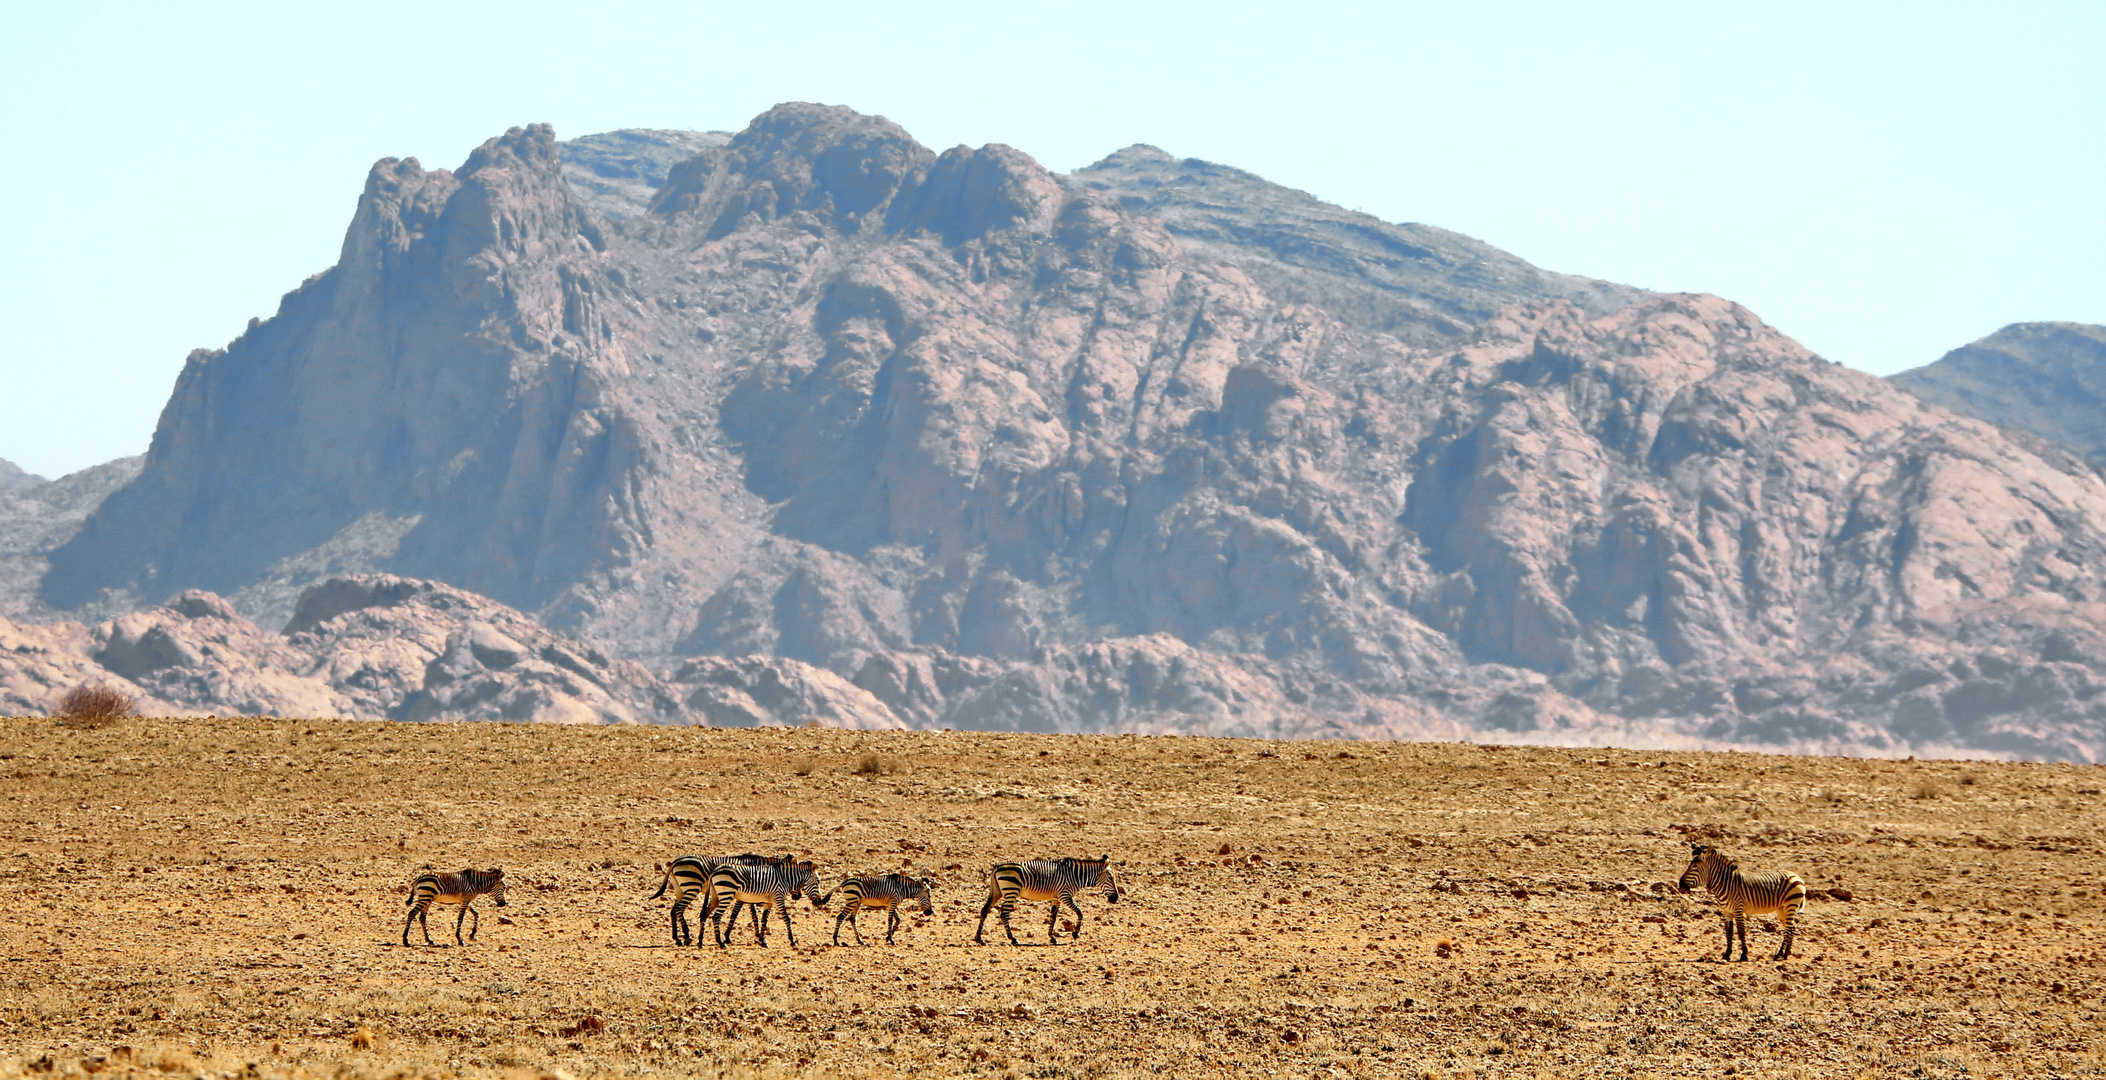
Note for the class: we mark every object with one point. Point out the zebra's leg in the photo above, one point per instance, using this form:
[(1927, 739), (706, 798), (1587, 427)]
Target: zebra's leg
[(406, 924), (839, 918), (424, 922), (1053, 923), (1008, 906), (760, 922), (1784, 951), (1077, 909), (1729, 937), (782, 907), (679, 922), (977, 930), (467, 910), (710, 919), (856, 924), (891, 922), (1740, 922)]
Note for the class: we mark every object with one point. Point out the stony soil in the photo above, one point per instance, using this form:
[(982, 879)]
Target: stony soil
[(226, 896)]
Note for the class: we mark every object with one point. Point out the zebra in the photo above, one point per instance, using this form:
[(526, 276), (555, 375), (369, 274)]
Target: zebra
[(690, 873), (1739, 892), (765, 887), (1043, 880), (463, 888), (890, 892)]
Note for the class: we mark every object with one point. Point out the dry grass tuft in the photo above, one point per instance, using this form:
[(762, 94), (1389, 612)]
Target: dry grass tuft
[(873, 763), (1928, 788), (804, 767), (93, 705)]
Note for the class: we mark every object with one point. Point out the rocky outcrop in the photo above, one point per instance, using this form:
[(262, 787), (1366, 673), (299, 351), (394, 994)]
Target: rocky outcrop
[(761, 691), (844, 428), (2045, 378), (419, 650), (377, 646)]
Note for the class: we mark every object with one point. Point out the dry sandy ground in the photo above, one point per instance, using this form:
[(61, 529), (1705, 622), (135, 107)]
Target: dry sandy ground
[(227, 896)]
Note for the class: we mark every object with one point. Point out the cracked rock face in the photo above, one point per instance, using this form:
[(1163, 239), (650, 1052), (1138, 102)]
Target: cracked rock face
[(839, 427)]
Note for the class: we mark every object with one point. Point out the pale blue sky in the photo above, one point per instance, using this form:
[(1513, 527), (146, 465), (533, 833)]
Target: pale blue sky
[(1882, 182)]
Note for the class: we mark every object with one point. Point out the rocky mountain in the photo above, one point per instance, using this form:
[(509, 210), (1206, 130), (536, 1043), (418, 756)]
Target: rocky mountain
[(1153, 446), (12, 478), (2047, 378)]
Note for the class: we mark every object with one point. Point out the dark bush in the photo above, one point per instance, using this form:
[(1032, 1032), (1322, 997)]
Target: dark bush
[(93, 705)]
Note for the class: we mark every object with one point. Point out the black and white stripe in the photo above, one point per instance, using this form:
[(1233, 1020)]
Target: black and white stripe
[(1740, 892), (891, 892), (766, 887), (688, 877), (1057, 881), (463, 888)]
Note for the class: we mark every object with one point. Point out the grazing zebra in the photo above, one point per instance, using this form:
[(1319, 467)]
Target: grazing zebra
[(1043, 880), (765, 887), (890, 892), (1739, 892), (462, 888), (690, 873)]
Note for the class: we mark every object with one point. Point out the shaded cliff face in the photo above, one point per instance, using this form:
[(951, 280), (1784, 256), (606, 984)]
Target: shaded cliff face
[(1157, 446), (39, 518), (2045, 378)]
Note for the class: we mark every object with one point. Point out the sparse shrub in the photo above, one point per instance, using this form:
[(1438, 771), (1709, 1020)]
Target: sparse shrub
[(873, 763), (1970, 778), (93, 705), (1928, 788), (804, 767)]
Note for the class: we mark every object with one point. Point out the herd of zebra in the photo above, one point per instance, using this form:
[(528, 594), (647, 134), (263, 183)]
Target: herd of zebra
[(767, 884)]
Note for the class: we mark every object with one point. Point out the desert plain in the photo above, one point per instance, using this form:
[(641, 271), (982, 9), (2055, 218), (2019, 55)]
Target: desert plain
[(226, 897)]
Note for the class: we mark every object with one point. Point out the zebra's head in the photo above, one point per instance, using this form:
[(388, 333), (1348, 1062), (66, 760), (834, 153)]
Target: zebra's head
[(496, 876), (804, 881), (922, 889), (1705, 863), (1102, 866)]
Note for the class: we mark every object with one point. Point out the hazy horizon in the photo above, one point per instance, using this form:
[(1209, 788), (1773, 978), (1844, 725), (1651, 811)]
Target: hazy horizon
[(1882, 183)]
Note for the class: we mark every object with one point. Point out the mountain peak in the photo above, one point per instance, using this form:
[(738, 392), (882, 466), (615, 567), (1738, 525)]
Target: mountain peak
[(12, 478)]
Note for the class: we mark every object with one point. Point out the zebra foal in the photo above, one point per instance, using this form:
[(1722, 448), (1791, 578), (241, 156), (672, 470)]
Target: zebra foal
[(688, 877), (1739, 892), (765, 887), (1041, 879), (891, 892), (463, 888)]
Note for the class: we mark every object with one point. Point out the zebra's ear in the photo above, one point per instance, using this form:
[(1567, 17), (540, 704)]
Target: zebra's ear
[(497, 871)]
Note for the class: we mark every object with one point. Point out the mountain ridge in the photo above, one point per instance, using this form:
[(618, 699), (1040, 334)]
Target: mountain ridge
[(1153, 445), (2047, 378)]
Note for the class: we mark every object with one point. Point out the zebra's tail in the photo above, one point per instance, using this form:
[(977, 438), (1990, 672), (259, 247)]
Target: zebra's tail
[(663, 885)]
